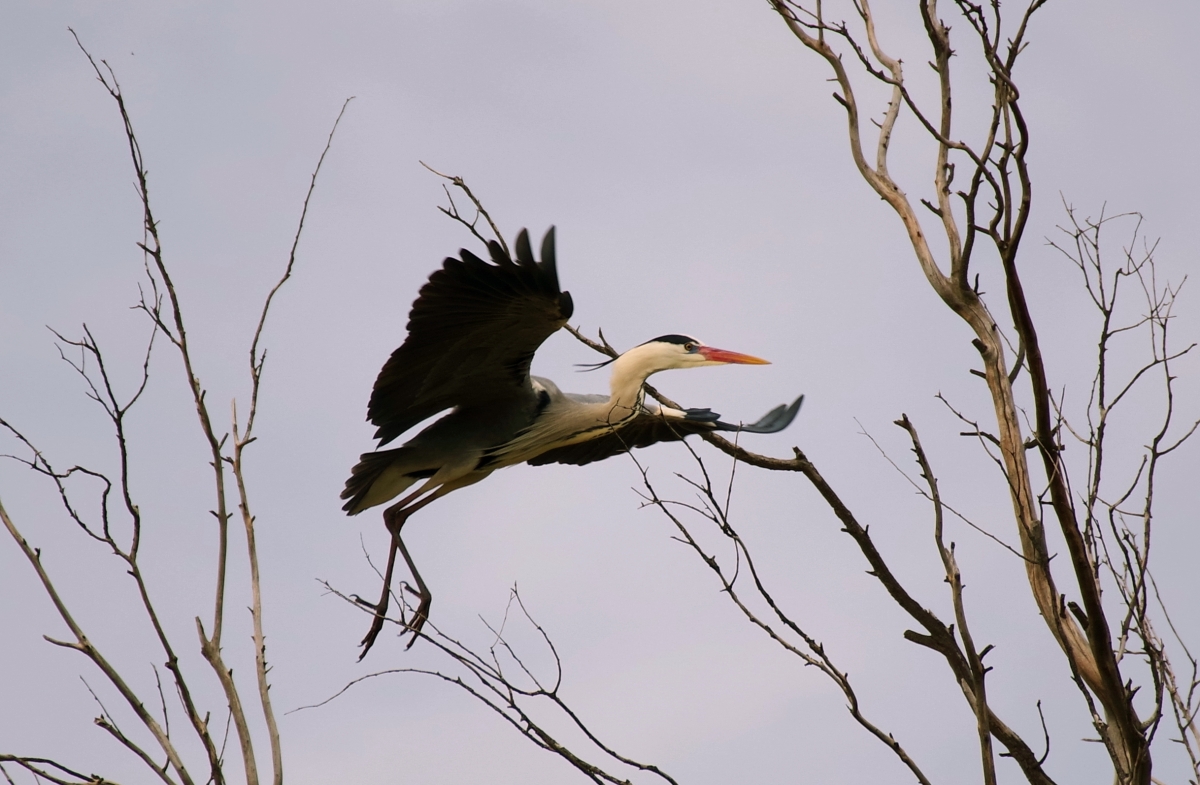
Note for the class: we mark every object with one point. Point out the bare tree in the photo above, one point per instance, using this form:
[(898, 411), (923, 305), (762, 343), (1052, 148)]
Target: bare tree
[(992, 209), (118, 525)]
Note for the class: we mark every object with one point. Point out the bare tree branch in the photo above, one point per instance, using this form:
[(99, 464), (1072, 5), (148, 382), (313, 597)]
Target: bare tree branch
[(82, 644), (452, 210), (241, 440), (483, 676)]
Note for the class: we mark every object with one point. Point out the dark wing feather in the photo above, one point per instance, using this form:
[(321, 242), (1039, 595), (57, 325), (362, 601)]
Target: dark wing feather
[(472, 333), (641, 431), (772, 422), (647, 429)]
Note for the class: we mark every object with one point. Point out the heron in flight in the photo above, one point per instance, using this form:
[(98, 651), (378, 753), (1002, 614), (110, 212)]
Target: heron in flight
[(472, 334)]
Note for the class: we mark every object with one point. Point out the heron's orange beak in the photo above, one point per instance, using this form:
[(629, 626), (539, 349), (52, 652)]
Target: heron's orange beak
[(722, 356)]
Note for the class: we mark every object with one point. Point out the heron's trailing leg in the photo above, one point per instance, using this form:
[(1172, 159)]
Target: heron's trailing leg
[(394, 518), (422, 592)]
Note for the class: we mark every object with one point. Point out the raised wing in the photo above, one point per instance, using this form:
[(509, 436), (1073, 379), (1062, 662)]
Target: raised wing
[(665, 425), (472, 333)]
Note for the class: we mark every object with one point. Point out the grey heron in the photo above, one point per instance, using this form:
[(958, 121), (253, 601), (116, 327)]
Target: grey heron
[(472, 334)]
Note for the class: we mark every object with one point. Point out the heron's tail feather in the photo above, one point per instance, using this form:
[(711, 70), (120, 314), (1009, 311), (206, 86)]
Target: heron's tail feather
[(380, 476)]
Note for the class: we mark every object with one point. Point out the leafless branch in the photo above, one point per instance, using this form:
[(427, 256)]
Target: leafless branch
[(1118, 537), (809, 650), (452, 210), (210, 646), (241, 440), (84, 645), (51, 771), (483, 676), (975, 689), (942, 502)]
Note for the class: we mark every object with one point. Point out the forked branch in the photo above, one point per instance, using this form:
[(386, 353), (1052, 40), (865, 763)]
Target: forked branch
[(500, 678)]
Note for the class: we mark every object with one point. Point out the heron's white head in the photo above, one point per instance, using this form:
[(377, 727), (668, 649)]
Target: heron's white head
[(668, 352)]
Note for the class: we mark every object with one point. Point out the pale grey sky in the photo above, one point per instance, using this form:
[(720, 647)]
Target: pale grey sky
[(696, 167)]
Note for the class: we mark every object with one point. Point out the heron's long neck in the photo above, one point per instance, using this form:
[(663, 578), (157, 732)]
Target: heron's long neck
[(629, 372)]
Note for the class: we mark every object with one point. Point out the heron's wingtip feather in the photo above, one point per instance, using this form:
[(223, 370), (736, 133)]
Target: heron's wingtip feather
[(548, 257), (773, 421), (524, 249)]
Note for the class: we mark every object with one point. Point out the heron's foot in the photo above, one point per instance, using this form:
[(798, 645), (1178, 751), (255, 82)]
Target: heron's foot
[(380, 609), (417, 622), (413, 625), (380, 613)]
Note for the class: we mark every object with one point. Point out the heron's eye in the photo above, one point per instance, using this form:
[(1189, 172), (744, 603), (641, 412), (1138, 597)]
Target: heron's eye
[(689, 347)]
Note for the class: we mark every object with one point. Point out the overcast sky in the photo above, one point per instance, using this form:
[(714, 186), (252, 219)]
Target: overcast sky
[(696, 167)]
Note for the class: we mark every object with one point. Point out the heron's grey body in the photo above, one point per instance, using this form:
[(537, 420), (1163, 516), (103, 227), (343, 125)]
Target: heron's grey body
[(470, 443), (472, 334)]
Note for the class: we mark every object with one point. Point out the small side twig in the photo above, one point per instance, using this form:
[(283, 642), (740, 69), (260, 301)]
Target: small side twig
[(452, 210)]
